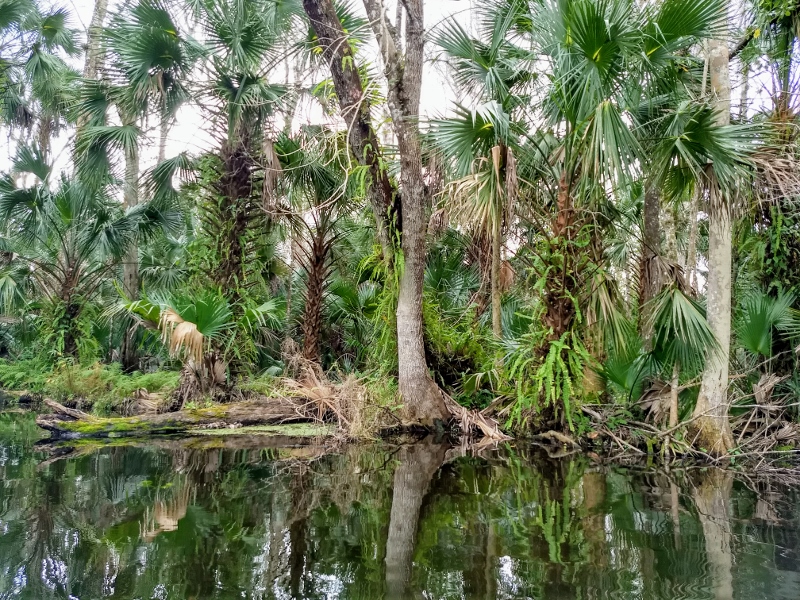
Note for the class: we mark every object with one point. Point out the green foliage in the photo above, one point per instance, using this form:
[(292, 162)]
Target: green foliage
[(104, 387), (760, 316), (547, 382)]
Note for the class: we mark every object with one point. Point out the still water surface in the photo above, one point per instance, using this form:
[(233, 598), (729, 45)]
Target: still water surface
[(376, 522)]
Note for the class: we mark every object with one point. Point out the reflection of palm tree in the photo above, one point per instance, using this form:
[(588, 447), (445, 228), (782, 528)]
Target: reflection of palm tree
[(165, 513)]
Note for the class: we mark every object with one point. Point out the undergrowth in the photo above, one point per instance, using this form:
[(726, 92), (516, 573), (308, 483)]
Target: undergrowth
[(103, 388)]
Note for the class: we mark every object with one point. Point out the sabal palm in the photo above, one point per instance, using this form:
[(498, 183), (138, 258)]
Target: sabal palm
[(481, 144), (147, 63), (71, 239), (314, 175), (37, 83)]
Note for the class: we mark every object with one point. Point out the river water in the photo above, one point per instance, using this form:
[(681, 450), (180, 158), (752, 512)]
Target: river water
[(370, 522)]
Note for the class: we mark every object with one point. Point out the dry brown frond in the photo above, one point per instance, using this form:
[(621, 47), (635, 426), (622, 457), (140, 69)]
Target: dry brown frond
[(181, 335)]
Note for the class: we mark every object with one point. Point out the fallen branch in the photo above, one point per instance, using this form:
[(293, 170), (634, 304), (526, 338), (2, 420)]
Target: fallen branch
[(67, 423)]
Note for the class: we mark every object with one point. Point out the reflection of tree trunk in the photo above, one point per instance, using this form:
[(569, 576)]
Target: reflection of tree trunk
[(712, 498), (594, 497), (418, 464), (675, 507), (480, 577), (297, 537)]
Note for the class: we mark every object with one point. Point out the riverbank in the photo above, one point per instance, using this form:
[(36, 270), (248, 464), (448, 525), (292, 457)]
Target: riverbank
[(111, 404)]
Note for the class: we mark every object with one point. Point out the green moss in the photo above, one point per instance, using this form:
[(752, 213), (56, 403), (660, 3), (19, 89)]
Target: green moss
[(289, 429), (118, 427)]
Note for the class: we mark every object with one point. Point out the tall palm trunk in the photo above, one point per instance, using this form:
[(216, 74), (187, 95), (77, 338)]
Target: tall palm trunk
[(711, 411), (317, 272), (93, 62), (497, 242), (691, 250), (94, 54), (649, 272), (130, 266), (671, 252), (164, 126)]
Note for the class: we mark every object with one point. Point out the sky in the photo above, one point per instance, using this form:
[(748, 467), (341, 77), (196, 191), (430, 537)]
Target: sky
[(189, 134)]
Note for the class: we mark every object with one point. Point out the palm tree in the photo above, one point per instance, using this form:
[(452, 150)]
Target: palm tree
[(204, 331), (147, 62), (586, 154), (37, 83), (482, 143), (71, 239), (318, 189)]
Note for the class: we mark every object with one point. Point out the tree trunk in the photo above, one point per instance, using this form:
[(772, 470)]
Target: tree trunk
[(649, 272), (418, 465), (497, 242), (317, 273), (93, 62), (711, 426), (45, 135), (130, 265), (422, 398), (691, 250), (94, 55), (355, 110), (66, 423), (162, 137), (671, 252)]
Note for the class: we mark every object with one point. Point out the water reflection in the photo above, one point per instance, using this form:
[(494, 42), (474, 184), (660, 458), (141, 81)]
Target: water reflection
[(392, 522)]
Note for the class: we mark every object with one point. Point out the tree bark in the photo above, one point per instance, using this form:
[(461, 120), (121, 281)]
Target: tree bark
[(422, 398), (317, 273), (94, 55), (497, 242), (711, 426), (130, 266), (649, 272), (671, 252), (93, 62), (412, 479), (691, 250), (163, 134), (355, 110)]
